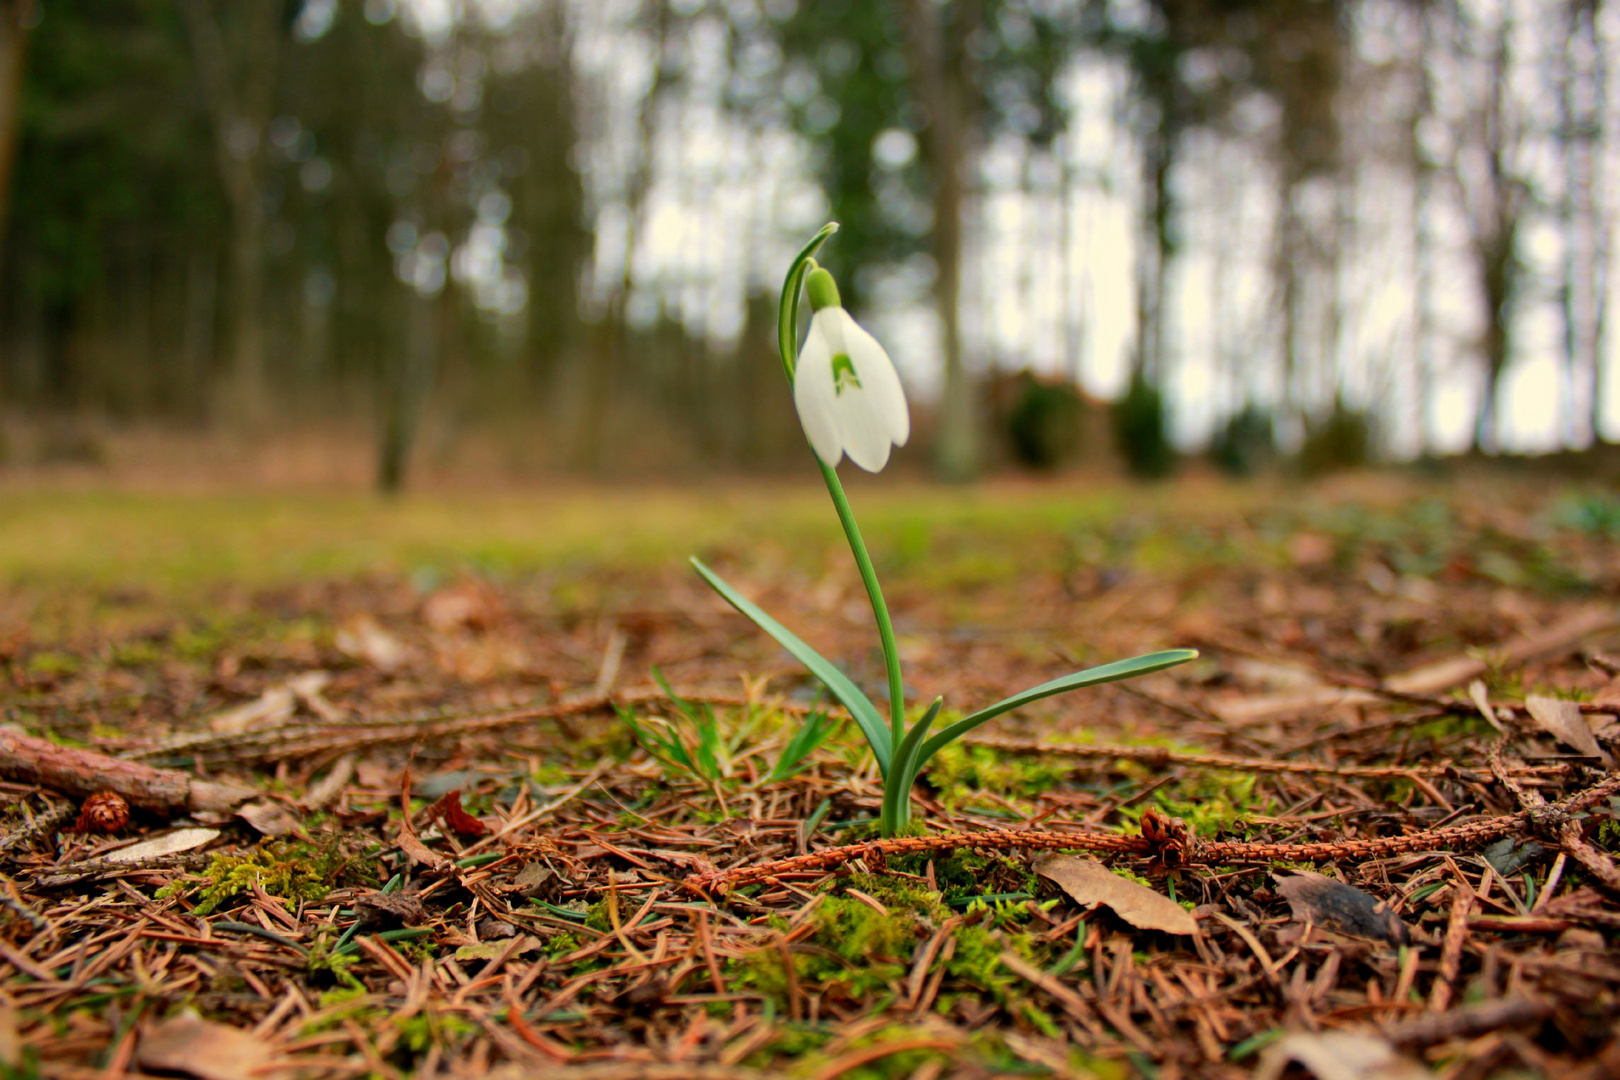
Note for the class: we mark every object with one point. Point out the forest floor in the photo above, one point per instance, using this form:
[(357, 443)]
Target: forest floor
[(387, 820)]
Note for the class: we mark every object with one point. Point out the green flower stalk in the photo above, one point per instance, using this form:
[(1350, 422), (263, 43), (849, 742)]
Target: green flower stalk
[(850, 402)]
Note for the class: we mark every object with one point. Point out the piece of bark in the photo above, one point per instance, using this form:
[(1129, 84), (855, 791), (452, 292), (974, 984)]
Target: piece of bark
[(85, 772)]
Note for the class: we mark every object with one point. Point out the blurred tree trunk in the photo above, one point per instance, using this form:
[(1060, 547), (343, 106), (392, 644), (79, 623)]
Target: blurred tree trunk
[(238, 81), (1423, 244), (408, 382), (544, 116), (1577, 79), (604, 360), (1156, 255), (1595, 133), (1495, 205), (938, 77), (15, 16)]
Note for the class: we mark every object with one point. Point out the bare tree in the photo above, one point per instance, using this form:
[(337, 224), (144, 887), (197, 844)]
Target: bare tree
[(1492, 189), (1578, 78), (1423, 246), (604, 357), (236, 47), (939, 84)]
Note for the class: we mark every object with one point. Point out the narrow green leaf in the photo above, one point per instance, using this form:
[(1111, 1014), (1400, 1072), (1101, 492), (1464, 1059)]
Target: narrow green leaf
[(839, 684), (1119, 669), (903, 768)]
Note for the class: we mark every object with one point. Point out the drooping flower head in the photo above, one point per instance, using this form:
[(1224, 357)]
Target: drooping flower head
[(845, 387)]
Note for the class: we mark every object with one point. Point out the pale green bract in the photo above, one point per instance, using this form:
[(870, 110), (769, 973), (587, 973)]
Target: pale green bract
[(850, 402)]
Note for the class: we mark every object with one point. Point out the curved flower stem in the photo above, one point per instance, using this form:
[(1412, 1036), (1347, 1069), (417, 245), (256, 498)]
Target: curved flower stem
[(787, 340), (874, 593)]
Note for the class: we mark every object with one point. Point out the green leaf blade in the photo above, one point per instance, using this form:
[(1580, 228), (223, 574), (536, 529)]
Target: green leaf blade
[(1145, 664), (903, 770), (837, 683)]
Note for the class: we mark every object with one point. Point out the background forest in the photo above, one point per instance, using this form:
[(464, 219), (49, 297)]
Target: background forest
[(552, 229)]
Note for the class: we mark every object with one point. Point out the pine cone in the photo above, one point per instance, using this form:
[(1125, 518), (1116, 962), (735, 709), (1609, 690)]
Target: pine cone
[(103, 812), (1169, 837)]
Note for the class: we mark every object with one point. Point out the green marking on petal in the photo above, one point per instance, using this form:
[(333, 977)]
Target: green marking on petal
[(843, 370)]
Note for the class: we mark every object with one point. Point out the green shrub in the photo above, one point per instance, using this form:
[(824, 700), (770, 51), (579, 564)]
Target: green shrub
[(1244, 445), (1044, 426), (1140, 430), (1340, 440)]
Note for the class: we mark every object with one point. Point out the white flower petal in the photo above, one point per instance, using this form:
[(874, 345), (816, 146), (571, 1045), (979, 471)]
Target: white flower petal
[(814, 397), (879, 377), (862, 417)]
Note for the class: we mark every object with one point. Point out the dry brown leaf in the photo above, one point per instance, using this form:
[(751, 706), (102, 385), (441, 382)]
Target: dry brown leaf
[(472, 605), (410, 845), (270, 819), (1563, 720), (1275, 674), (274, 706), (403, 908), (1338, 1055), (364, 640), (170, 843), (309, 688), (448, 810), (1325, 902), (189, 1044), (331, 785), (1482, 702), (1091, 883)]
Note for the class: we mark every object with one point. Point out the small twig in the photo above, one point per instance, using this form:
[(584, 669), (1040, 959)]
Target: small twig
[(1452, 947), (1592, 860), (1467, 1022), (1470, 835), (1527, 799)]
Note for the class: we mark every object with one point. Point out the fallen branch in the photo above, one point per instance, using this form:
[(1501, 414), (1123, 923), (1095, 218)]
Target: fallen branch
[(85, 772), (1467, 836)]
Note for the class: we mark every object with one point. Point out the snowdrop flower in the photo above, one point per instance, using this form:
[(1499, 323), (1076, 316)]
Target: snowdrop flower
[(845, 388)]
